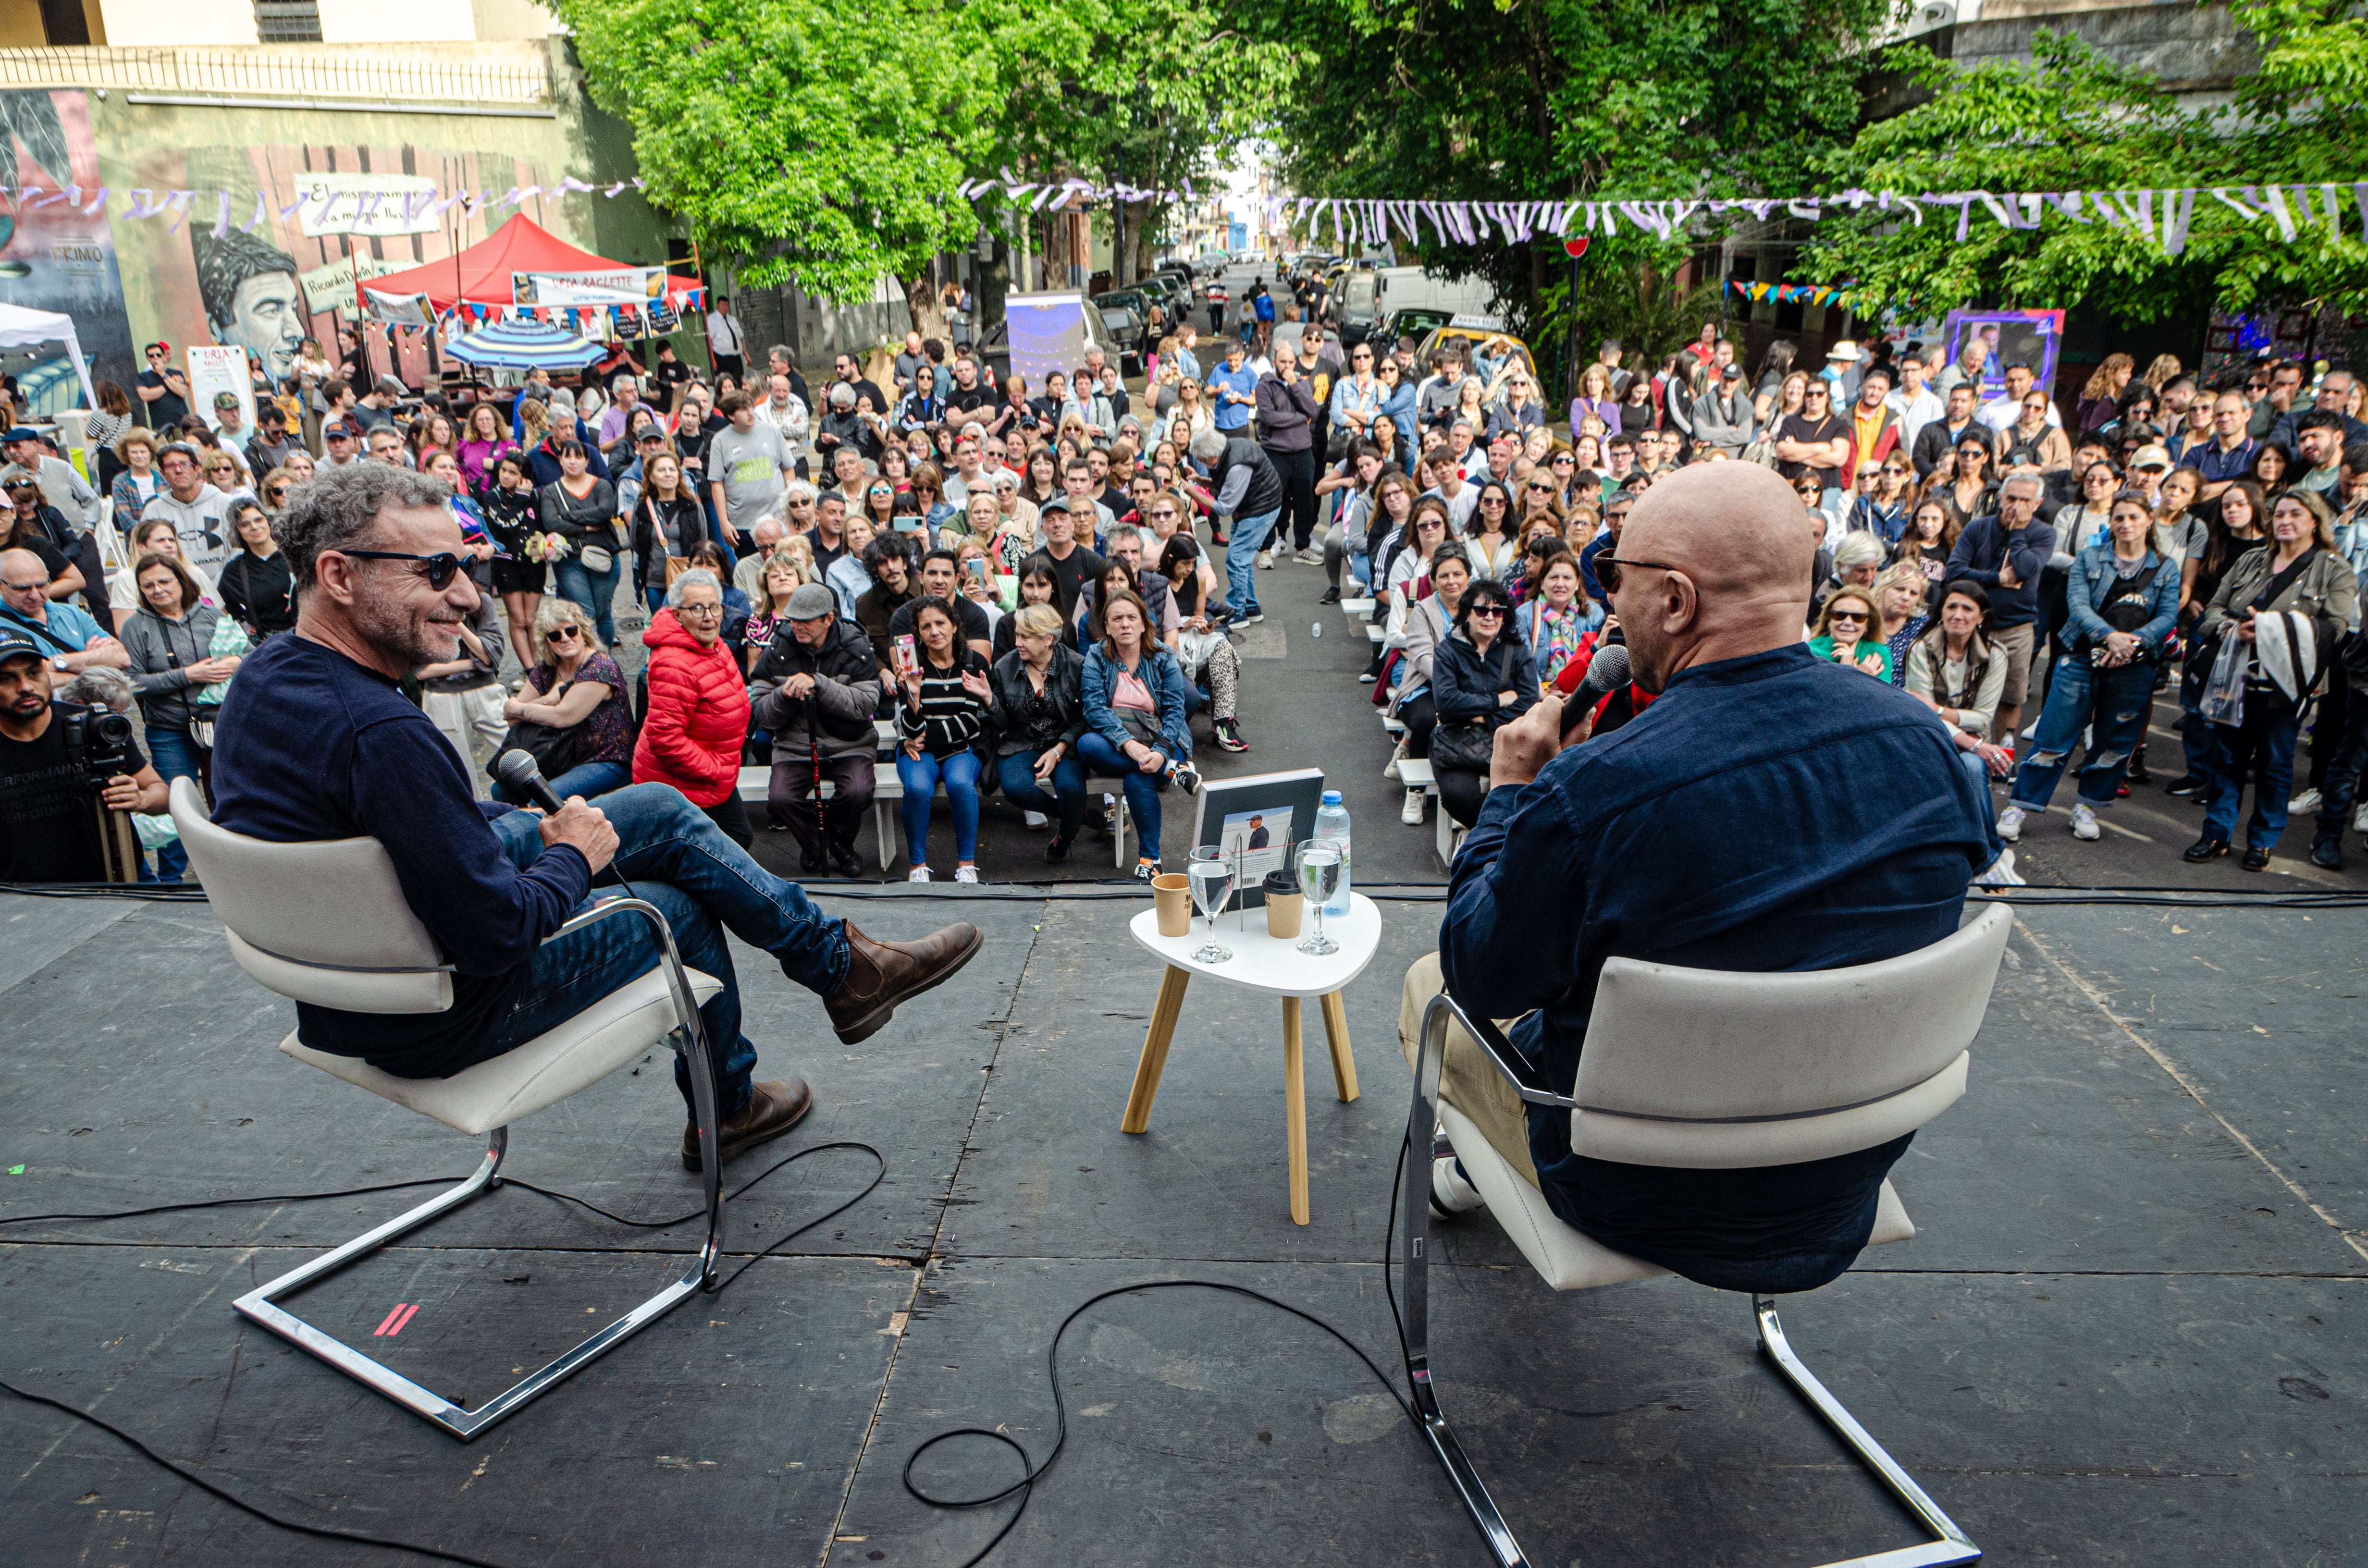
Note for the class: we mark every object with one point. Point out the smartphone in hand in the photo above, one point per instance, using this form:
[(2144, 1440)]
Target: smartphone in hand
[(908, 661)]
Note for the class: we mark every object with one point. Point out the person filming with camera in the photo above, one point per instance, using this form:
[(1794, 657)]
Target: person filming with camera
[(55, 759)]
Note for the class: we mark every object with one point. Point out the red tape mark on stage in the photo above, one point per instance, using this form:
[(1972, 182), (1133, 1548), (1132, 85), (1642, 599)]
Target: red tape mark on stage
[(395, 1320)]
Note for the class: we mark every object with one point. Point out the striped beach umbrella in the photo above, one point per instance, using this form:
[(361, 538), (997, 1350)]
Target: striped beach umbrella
[(524, 345)]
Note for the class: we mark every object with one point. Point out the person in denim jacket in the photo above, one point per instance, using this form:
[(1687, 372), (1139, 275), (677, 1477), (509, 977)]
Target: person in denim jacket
[(2121, 600), (1135, 718)]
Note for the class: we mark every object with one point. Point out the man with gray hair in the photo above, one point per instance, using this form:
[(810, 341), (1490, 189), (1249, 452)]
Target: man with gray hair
[(320, 743), (749, 575), (2005, 553), (1248, 500)]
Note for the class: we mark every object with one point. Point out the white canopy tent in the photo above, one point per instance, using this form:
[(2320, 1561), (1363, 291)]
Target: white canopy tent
[(23, 328)]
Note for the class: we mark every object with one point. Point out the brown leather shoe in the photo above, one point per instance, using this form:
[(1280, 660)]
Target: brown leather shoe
[(772, 1109), (880, 974)]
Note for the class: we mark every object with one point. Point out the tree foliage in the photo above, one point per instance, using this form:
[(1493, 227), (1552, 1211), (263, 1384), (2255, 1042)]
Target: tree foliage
[(2071, 119)]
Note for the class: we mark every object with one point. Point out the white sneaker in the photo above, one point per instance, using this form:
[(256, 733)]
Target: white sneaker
[(1310, 558), (966, 874), (1450, 1193), (1412, 814), (1391, 772), (917, 874), (2359, 817), (2010, 825), (2084, 822), (2304, 804), (1036, 821), (2001, 873), (1266, 559)]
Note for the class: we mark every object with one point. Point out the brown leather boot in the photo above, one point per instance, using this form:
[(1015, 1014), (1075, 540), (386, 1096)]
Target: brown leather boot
[(772, 1109), (880, 974)]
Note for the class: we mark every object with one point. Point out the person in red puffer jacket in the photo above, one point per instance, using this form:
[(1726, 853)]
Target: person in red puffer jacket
[(698, 715)]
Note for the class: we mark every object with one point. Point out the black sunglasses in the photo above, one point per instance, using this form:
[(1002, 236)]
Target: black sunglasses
[(1606, 570), (438, 569), (1479, 610)]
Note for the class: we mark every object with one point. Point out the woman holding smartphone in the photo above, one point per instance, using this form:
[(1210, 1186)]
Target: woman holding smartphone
[(942, 713)]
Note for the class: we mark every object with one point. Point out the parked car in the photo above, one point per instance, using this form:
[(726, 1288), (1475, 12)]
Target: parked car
[(1468, 333), (1124, 311)]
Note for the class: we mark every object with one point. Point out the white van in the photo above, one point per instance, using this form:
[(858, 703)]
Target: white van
[(1370, 298)]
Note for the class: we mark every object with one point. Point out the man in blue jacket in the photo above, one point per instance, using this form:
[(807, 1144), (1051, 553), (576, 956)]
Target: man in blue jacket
[(2005, 552), (317, 742), (1707, 832)]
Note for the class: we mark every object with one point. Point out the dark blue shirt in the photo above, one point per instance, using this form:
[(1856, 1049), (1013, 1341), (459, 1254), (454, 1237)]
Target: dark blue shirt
[(1986, 541), (1766, 813), (2213, 464), (311, 746)]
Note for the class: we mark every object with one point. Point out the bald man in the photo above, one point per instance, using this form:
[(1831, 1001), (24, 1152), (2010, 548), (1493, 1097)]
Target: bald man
[(1767, 811)]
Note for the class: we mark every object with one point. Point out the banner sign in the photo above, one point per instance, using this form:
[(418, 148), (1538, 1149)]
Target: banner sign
[(366, 204), (400, 310), (617, 286), (330, 288), (215, 369)]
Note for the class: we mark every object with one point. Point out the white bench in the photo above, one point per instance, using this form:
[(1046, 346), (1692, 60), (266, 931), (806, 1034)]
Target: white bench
[(1357, 609), (1375, 633), (1415, 773), (755, 784)]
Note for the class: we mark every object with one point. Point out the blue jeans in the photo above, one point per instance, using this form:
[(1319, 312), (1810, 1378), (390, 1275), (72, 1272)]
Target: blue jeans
[(588, 779), (175, 757), (920, 776), (1142, 789), (1973, 763), (2264, 746), (2111, 705), (596, 592), (2194, 729), (704, 884), (1017, 772), (2343, 767), (1241, 554), (654, 597)]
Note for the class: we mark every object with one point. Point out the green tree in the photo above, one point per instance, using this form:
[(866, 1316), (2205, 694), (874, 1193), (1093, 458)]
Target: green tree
[(2070, 119), (803, 144)]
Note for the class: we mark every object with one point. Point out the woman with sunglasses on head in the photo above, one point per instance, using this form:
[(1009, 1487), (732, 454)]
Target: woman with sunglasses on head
[(257, 589), (580, 508), (574, 684), (1971, 490), (1846, 633), (1483, 677), (2295, 587), (1490, 540)]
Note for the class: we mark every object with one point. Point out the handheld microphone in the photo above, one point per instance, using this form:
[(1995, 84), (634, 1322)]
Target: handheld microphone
[(1606, 673), (518, 770)]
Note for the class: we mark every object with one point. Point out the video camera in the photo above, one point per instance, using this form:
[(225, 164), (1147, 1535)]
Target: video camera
[(96, 739)]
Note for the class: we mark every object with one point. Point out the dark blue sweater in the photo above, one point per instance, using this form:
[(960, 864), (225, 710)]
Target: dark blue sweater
[(1768, 812), (313, 747), (1986, 541)]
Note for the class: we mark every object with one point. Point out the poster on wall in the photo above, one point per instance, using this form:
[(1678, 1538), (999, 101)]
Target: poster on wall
[(54, 256), (215, 370), (365, 204), (2015, 337)]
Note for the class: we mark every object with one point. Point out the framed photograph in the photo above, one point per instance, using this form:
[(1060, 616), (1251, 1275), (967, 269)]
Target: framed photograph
[(2029, 337), (1259, 817)]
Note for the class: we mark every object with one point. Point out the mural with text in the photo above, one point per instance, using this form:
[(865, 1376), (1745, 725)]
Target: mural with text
[(55, 255)]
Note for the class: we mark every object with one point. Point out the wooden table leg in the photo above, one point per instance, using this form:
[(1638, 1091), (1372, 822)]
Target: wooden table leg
[(1164, 1014), (1336, 1035), (1294, 1108)]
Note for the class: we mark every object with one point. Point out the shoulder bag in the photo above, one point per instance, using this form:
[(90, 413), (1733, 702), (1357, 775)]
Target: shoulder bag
[(554, 749), (1473, 743)]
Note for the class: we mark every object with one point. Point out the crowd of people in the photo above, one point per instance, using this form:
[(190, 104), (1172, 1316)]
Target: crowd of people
[(1035, 591)]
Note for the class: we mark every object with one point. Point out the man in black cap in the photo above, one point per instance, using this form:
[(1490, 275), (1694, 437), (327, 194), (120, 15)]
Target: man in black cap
[(52, 833), (817, 688), (271, 443), (341, 442)]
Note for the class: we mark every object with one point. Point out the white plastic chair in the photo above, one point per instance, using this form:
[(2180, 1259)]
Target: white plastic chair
[(1712, 1070), (326, 923)]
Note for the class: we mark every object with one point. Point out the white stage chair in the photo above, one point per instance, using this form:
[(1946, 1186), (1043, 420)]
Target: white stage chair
[(326, 923), (1712, 1070)]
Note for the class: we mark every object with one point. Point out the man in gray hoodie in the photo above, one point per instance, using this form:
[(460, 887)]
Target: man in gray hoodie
[(1723, 416)]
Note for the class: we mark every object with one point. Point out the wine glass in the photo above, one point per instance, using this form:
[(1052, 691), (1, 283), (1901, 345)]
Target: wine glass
[(1211, 875), (1319, 879)]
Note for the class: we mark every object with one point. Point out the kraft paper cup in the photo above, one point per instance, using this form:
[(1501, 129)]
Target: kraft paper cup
[(1283, 912), (1171, 895)]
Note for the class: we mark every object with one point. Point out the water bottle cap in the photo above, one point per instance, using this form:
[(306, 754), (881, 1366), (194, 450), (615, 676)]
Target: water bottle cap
[(1331, 797)]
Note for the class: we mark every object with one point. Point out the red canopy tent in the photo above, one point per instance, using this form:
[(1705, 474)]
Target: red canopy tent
[(483, 272)]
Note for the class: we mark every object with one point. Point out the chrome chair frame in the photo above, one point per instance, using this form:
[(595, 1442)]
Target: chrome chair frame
[(1414, 1203), (261, 1305)]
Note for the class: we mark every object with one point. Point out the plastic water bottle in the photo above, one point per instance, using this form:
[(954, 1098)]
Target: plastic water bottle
[(1318, 631), (1332, 826)]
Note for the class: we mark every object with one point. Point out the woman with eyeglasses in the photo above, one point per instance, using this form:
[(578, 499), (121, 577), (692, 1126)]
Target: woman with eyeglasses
[(2089, 522), (769, 617), (697, 716), (484, 444), (1489, 542), (154, 537), (1847, 633), (226, 473), (1483, 677), (256, 587), (2032, 441), (1518, 410), (575, 685)]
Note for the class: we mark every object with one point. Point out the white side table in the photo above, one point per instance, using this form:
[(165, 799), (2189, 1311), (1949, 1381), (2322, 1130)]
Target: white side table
[(1274, 966)]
